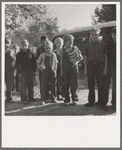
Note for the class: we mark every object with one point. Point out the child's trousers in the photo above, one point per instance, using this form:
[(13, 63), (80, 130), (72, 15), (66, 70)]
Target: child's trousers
[(95, 72), (70, 81), (26, 83), (111, 74), (9, 80), (46, 78)]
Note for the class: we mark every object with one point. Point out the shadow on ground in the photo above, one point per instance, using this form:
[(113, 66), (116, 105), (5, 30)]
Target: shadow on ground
[(58, 109)]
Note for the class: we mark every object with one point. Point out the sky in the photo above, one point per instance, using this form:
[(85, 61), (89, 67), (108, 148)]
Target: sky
[(73, 15)]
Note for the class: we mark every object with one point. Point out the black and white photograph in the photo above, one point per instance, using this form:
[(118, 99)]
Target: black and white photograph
[(61, 60)]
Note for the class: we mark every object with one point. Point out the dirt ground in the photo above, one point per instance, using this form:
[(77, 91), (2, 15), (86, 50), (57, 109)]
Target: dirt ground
[(51, 109)]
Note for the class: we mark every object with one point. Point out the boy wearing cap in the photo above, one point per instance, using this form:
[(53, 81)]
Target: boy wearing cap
[(111, 69), (47, 64), (95, 67), (70, 68), (9, 69)]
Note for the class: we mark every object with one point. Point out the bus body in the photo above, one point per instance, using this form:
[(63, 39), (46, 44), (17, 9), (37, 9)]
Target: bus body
[(81, 35)]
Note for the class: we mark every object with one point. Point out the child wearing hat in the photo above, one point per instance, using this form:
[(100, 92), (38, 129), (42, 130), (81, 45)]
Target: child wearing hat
[(71, 57), (47, 63), (95, 67)]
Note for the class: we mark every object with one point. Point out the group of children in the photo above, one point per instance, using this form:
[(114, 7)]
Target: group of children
[(59, 68)]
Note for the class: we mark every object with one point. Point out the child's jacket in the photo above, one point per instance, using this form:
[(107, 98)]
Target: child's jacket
[(25, 61)]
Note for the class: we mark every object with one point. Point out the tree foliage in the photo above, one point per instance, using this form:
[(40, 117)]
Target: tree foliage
[(17, 14), (104, 14), (22, 20)]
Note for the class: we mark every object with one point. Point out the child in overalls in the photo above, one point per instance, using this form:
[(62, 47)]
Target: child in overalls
[(47, 63), (71, 57)]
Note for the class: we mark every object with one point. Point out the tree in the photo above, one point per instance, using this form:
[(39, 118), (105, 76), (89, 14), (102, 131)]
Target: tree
[(104, 14), (16, 15), (29, 21)]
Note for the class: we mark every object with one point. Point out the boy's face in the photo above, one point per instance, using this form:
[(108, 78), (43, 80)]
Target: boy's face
[(58, 44), (114, 37), (25, 46), (48, 48), (69, 43), (43, 41), (94, 36)]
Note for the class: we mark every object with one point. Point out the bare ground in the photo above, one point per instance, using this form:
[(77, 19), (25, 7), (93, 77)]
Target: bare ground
[(51, 109)]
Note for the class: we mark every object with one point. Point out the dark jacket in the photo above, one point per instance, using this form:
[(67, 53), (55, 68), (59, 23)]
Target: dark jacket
[(95, 51), (39, 51), (111, 54), (25, 61), (9, 59)]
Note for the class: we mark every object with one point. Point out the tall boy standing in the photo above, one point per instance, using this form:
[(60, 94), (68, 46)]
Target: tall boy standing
[(40, 50), (95, 67), (111, 69)]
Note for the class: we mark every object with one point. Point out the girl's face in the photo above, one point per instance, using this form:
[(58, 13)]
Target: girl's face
[(58, 44), (25, 46), (48, 48), (69, 43), (114, 37), (94, 36)]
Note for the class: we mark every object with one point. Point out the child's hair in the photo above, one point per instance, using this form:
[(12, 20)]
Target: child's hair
[(59, 39), (113, 30), (97, 30), (25, 41), (49, 43), (15, 46), (67, 37), (44, 37)]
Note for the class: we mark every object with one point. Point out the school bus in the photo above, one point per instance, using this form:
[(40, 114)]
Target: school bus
[(81, 35)]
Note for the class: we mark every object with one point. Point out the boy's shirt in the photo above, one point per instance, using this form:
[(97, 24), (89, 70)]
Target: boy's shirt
[(95, 52), (74, 54), (39, 51), (9, 60), (25, 61)]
